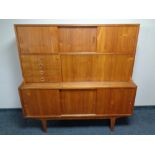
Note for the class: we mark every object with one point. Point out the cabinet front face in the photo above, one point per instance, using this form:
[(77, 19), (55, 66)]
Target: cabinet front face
[(78, 101), (117, 39), (40, 102), (115, 101), (77, 39), (41, 68), (38, 39)]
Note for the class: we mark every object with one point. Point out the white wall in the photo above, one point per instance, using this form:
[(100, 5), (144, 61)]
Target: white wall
[(10, 72)]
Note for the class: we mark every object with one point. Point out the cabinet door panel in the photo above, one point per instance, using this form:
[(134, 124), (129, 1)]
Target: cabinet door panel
[(41, 68), (41, 102), (122, 66), (112, 67), (115, 101), (77, 39), (103, 101), (97, 67), (38, 39), (117, 39), (77, 67), (78, 101)]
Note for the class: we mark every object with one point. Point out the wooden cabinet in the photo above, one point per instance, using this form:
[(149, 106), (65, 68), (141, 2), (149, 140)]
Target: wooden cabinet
[(77, 71)]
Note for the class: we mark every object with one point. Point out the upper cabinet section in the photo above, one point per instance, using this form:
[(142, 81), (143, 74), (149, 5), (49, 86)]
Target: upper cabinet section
[(37, 39), (110, 38), (117, 39), (77, 39)]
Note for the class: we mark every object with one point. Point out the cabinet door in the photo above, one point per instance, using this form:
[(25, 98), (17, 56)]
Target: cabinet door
[(77, 39), (117, 39), (37, 39), (122, 66), (115, 101), (77, 67), (41, 68), (112, 67), (40, 102), (78, 101), (96, 67)]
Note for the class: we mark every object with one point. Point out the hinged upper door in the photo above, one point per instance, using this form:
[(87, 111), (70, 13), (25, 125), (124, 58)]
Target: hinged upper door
[(77, 39), (41, 102), (41, 68), (37, 39), (117, 39)]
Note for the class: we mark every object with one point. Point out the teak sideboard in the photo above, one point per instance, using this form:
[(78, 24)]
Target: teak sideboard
[(77, 71)]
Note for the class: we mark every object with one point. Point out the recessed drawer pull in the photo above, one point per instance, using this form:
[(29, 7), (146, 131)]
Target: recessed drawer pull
[(42, 79)]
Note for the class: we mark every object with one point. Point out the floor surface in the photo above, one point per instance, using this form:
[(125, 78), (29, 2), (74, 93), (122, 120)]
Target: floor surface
[(141, 123)]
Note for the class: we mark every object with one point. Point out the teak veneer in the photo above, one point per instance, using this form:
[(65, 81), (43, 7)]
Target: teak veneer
[(77, 71)]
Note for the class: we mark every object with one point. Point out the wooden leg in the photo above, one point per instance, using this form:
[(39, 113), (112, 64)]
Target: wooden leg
[(112, 122), (44, 124)]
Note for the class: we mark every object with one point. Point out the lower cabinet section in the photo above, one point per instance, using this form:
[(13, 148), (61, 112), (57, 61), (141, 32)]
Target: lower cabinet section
[(75, 102)]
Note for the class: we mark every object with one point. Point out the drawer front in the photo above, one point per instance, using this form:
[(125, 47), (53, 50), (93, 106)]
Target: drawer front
[(37, 39), (41, 68), (78, 101), (37, 102), (117, 39), (115, 101)]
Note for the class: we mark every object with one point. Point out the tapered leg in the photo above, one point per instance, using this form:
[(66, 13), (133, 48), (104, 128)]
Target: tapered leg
[(44, 124), (112, 122)]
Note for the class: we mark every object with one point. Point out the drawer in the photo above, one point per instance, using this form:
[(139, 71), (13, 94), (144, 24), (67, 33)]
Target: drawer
[(41, 68)]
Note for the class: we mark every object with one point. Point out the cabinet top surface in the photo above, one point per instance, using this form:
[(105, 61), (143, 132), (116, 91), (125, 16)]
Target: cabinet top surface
[(87, 25), (78, 85)]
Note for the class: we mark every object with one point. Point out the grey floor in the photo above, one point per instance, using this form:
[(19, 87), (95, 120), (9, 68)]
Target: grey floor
[(142, 122)]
